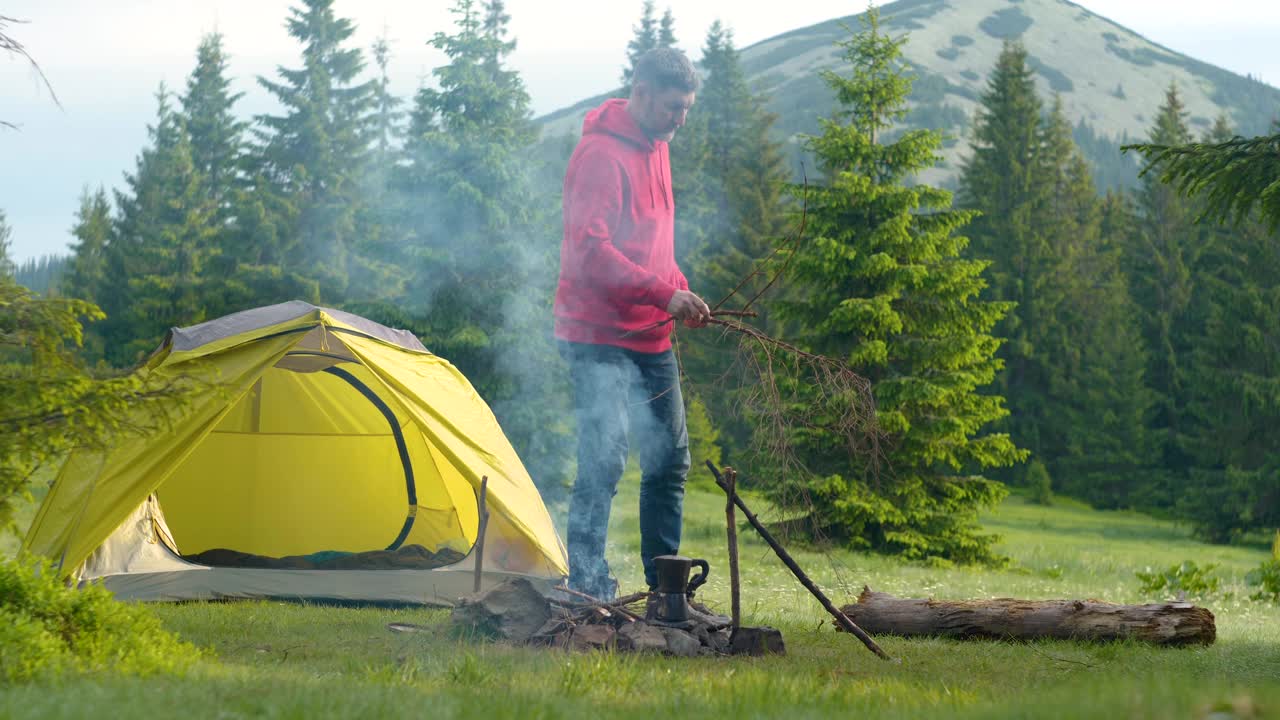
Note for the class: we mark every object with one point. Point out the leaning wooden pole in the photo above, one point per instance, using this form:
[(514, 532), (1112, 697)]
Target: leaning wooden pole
[(735, 589), (483, 511), (841, 619)]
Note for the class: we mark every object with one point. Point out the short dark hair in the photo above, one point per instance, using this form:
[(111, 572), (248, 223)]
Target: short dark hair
[(665, 68)]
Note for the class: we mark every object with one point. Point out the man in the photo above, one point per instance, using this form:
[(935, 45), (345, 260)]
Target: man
[(618, 283)]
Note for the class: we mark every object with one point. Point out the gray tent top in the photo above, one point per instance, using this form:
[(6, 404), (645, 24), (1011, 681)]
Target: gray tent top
[(190, 338)]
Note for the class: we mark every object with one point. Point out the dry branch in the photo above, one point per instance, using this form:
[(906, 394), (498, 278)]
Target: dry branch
[(11, 45)]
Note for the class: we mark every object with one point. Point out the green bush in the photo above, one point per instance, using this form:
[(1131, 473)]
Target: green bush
[(1039, 484), (1186, 576), (704, 442), (48, 628), (1266, 577)]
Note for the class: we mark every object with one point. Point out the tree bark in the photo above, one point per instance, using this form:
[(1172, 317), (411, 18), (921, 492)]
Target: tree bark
[(1174, 623)]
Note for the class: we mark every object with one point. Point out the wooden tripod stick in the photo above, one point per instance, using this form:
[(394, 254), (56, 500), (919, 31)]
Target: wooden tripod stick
[(484, 525), (841, 619), (735, 589)]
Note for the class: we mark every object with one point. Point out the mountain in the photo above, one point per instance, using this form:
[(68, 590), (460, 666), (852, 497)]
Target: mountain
[(1111, 79)]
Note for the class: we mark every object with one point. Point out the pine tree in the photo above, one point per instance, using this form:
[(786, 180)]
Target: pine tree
[(388, 116), (86, 275), (164, 242), (1006, 182), (1091, 348), (885, 287), (1231, 381), (49, 403), (644, 40), (1161, 257), (1231, 175), (42, 274), (315, 154), (667, 30), (215, 134), (481, 280), (7, 266), (733, 210)]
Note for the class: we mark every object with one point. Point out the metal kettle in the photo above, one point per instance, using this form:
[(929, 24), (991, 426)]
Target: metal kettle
[(669, 602)]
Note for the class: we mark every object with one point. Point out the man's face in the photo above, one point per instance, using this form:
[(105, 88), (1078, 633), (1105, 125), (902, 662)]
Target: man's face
[(663, 112)]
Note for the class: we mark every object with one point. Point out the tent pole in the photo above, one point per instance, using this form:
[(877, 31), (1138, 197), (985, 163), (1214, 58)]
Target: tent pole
[(484, 525)]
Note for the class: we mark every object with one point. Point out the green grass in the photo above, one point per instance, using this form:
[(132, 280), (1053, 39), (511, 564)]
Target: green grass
[(293, 661)]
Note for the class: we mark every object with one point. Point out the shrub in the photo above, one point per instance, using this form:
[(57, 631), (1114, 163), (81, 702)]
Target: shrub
[(1039, 483), (704, 441), (48, 628), (1266, 577), (1187, 577)]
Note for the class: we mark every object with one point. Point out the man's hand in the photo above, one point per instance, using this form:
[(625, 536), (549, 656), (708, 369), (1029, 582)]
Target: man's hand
[(690, 308)]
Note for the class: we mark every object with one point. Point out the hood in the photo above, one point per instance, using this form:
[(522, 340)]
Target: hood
[(611, 117)]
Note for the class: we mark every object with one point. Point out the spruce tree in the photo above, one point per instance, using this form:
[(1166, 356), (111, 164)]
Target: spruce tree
[(387, 113), (164, 242), (667, 30), (1005, 181), (1161, 257), (314, 155), (1231, 381), (885, 287), (215, 134), (1094, 440), (86, 275), (7, 266), (645, 39), (482, 276), (737, 207)]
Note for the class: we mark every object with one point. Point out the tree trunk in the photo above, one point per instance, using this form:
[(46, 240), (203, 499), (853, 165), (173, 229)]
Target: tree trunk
[(1174, 623)]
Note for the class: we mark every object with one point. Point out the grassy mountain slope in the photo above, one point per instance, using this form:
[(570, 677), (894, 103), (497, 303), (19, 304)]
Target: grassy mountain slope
[(1111, 79)]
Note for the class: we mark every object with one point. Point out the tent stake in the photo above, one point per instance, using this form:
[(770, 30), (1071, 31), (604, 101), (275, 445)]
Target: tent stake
[(484, 525)]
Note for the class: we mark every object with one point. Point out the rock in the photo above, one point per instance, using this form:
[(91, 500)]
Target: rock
[(550, 632), (681, 643), (703, 615), (757, 641), (641, 637), (718, 641), (513, 610), (591, 637)]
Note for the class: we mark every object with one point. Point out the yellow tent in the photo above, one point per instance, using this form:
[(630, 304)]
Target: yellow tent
[(321, 455)]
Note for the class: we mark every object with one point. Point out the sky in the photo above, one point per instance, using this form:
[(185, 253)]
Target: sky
[(105, 61)]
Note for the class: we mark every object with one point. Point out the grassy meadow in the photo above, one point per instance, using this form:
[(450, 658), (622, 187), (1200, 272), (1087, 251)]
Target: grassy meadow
[(285, 660)]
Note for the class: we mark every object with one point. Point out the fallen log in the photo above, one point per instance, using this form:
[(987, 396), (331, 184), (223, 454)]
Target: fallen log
[(1174, 623)]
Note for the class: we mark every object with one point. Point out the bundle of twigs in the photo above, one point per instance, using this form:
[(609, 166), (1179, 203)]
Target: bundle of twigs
[(844, 403), (586, 610)]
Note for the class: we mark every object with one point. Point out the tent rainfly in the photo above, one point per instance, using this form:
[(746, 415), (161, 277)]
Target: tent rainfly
[(320, 456)]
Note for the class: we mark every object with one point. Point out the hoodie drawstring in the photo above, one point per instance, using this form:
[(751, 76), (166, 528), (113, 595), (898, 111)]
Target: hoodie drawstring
[(653, 201)]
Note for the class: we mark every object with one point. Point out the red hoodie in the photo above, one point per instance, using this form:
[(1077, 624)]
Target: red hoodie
[(617, 260)]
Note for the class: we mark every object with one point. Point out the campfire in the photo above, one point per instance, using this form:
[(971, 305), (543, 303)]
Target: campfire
[(661, 622), (671, 622)]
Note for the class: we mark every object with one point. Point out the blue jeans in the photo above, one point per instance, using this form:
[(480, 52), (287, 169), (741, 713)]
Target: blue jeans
[(616, 390)]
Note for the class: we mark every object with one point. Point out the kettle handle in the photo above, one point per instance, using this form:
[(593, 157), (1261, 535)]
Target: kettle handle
[(697, 581)]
